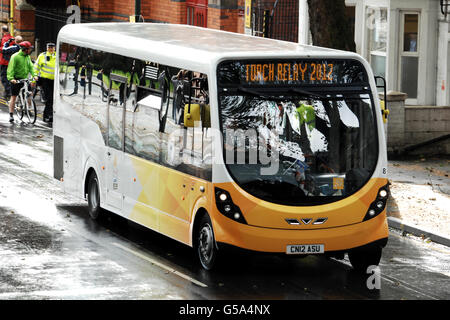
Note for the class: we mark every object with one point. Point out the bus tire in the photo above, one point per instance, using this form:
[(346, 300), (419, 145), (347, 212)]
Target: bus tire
[(362, 258), (93, 197), (205, 243)]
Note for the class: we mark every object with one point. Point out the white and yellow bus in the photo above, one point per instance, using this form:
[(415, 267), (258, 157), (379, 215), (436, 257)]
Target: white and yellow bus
[(219, 139)]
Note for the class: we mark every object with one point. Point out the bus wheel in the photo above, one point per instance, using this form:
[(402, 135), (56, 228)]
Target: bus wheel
[(93, 197), (362, 258), (206, 244)]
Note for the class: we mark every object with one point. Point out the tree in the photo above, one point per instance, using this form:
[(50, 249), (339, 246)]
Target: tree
[(330, 25)]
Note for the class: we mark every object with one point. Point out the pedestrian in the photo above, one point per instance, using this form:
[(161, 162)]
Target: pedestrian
[(19, 67), (10, 47), (4, 63), (44, 68)]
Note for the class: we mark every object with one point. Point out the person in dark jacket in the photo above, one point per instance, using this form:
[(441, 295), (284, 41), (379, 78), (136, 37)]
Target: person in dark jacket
[(4, 63), (10, 47)]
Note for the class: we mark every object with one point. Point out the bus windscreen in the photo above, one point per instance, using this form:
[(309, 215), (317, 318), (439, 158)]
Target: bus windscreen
[(294, 144)]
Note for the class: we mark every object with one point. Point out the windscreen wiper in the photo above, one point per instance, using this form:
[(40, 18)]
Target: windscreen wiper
[(298, 91), (306, 93), (250, 91), (243, 90)]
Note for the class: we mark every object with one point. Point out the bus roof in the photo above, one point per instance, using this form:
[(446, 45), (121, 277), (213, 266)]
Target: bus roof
[(184, 45)]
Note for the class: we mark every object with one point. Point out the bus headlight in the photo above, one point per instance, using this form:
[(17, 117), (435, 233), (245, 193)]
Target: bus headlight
[(226, 206), (379, 204), (383, 193), (223, 197)]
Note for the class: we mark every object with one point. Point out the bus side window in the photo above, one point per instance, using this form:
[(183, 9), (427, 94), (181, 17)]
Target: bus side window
[(95, 106), (131, 107), (72, 84), (118, 78), (186, 90), (196, 117), (142, 120), (63, 66), (141, 134)]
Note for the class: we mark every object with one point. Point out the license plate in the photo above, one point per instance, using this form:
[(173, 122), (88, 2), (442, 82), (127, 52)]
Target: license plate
[(305, 249)]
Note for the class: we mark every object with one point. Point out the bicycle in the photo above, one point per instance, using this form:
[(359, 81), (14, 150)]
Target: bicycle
[(25, 98)]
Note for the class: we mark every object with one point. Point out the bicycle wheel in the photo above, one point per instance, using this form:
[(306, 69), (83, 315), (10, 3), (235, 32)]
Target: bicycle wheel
[(31, 111), (19, 107)]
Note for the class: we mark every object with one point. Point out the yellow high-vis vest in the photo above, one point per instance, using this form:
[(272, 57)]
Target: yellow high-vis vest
[(45, 67)]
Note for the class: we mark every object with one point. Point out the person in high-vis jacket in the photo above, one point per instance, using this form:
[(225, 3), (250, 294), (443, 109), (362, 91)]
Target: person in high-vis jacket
[(44, 68)]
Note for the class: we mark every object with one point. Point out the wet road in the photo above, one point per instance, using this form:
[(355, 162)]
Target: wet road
[(51, 249)]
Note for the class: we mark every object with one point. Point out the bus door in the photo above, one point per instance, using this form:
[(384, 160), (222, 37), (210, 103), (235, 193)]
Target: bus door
[(115, 170)]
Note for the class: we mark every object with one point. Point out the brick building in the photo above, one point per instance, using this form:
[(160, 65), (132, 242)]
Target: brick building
[(40, 20)]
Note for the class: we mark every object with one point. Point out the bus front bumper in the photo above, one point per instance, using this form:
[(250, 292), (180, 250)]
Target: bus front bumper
[(277, 240)]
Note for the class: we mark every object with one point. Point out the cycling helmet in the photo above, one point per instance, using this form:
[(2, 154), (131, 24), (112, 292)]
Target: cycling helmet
[(25, 45)]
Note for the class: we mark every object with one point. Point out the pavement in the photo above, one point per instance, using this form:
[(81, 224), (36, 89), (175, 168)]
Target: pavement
[(420, 192), (420, 197)]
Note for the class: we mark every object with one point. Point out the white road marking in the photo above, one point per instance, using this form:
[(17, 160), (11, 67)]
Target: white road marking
[(159, 264)]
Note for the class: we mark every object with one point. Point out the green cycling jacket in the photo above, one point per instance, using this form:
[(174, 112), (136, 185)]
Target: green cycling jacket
[(306, 114), (20, 66)]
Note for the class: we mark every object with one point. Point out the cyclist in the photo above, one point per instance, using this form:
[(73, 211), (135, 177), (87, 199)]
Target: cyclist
[(44, 67), (20, 66)]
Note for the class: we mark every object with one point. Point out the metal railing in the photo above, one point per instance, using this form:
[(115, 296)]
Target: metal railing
[(276, 19)]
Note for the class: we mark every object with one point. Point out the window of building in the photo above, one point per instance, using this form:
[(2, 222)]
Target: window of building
[(377, 31), (197, 12), (409, 55), (410, 32)]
